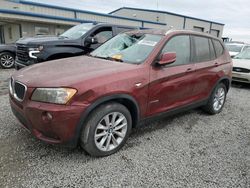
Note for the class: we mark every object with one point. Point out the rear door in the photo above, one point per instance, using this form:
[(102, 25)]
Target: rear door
[(206, 65), (171, 86)]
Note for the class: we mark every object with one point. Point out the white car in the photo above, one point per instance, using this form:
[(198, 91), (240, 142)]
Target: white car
[(235, 48), (241, 67)]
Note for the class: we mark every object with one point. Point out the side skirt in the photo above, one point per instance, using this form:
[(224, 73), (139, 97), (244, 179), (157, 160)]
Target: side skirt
[(172, 112)]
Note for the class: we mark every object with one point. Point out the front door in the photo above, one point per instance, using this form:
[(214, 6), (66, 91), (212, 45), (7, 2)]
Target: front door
[(101, 35), (171, 86)]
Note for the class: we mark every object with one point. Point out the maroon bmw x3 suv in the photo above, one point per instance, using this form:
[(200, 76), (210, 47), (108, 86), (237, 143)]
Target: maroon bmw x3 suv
[(96, 100)]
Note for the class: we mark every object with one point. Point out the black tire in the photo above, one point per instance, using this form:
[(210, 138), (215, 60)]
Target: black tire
[(87, 139), (6, 56), (209, 107)]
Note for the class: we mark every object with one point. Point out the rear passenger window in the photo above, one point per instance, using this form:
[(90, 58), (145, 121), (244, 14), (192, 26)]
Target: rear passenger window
[(218, 48), (202, 52), (181, 46), (212, 52)]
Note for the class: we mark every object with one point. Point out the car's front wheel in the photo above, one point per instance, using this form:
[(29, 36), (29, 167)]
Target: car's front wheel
[(106, 130), (7, 60)]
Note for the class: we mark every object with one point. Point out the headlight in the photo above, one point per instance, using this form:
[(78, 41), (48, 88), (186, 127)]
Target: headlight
[(53, 95), (39, 48), (33, 51)]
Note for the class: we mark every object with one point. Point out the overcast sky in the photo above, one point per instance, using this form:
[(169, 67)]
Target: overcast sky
[(235, 14)]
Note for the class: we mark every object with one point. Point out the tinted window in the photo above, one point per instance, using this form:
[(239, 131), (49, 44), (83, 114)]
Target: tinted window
[(218, 48), (122, 29), (202, 52), (180, 45), (103, 34), (212, 52), (77, 31)]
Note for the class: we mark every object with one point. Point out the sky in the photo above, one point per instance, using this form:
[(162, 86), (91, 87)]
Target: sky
[(234, 14)]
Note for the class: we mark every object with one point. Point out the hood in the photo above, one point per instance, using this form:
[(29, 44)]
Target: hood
[(242, 63), (70, 71), (7, 45), (11, 47), (39, 40)]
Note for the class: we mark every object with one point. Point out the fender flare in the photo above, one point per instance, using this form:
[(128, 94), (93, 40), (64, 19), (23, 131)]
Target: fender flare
[(95, 104), (222, 78)]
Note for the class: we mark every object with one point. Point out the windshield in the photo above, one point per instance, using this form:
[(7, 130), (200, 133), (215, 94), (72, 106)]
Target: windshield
[(243, 55), (130, 48), (77, 31), (234, 47)]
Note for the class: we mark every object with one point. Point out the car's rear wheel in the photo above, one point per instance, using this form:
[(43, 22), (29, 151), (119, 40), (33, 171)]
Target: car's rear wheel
[(7, 60), (217, 99), (106, 130)]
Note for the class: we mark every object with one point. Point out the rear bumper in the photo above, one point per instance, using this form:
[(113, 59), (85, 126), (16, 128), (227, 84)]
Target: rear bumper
[(61, 129), (241, 77)]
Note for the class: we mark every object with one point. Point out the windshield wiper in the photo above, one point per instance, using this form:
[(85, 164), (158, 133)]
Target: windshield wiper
[(108, 58), (114, 59)]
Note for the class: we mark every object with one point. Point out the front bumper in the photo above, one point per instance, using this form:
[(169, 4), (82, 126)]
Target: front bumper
[(21, 64), (241, 77), (61, 129)]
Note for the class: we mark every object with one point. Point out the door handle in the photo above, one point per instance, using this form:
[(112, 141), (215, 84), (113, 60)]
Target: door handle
[(189, 70), (216, 64)]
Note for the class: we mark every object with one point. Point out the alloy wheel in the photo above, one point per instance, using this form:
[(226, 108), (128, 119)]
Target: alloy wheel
[(219, 99), (7, 61), (111, 131)]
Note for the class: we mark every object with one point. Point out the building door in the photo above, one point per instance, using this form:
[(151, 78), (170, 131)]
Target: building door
[(1, 35), (11, 32)]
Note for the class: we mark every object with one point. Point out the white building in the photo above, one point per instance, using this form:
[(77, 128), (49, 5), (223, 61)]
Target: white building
[(19, 18), (176, 21)]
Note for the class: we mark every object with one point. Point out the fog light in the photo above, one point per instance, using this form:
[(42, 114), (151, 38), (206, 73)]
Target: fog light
[(46, 116)]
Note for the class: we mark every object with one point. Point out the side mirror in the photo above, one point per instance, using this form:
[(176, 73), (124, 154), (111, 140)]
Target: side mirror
[(91, 40), (167, 58)]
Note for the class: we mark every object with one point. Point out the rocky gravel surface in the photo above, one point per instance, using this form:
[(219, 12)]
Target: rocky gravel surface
[(191, 149), (4, 80)]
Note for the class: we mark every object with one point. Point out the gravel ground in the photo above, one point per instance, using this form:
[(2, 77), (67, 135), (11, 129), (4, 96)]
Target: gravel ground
[(191, 149)]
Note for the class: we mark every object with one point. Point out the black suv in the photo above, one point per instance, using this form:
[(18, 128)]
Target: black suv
[(79, 40)]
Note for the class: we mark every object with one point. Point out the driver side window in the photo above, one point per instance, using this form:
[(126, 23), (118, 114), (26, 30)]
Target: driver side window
[(103, 34), (181, 46)]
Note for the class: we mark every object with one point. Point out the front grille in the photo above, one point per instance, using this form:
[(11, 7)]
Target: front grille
[(22, 53), (243, 70), (19, 90), (240, 79)]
